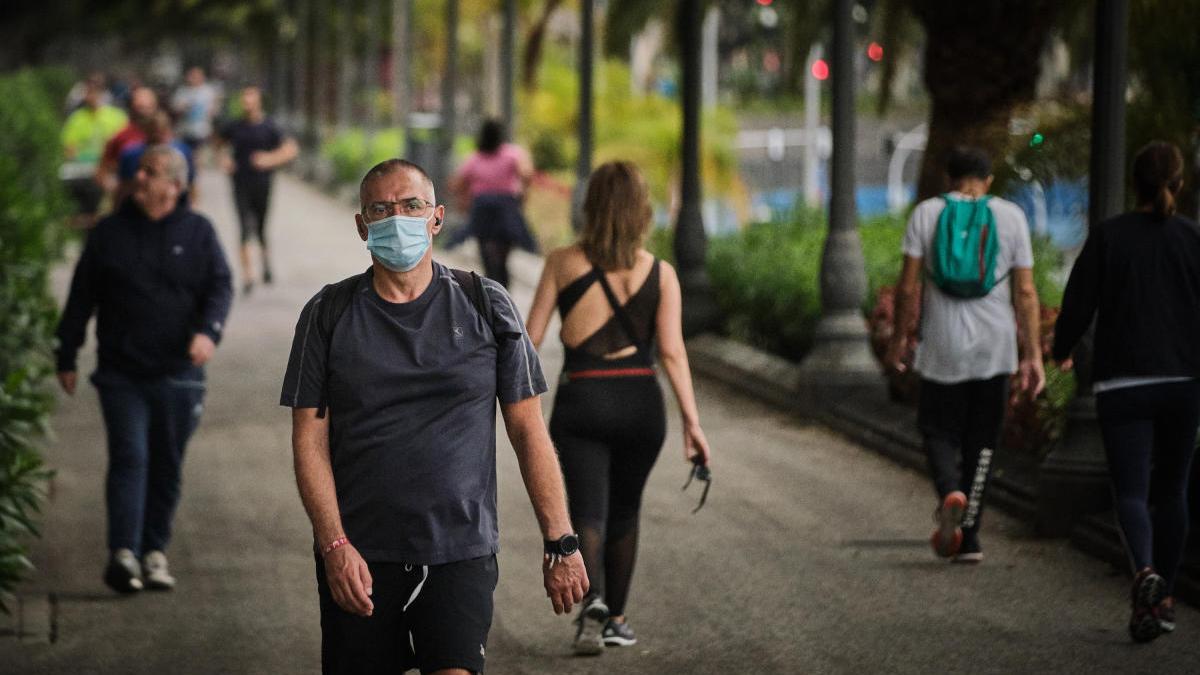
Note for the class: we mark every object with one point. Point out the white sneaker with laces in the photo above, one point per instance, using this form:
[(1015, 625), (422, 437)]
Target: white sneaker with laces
[(154, 568), (589, 640)]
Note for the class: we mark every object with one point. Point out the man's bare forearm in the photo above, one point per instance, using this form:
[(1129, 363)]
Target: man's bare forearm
[(314, 474), (539, 466), (1029, 315)]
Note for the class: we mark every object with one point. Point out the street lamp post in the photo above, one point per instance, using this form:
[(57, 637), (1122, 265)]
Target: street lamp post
[(507, 60), (691, 244), (449, 88), (841, 354), (583, 163), (401, 13), (1074, 479)]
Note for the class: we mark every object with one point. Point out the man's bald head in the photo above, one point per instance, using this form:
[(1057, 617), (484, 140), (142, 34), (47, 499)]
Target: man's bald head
[(388, 167)]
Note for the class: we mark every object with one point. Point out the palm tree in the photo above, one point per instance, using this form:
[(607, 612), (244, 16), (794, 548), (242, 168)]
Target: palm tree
[(982, 61)]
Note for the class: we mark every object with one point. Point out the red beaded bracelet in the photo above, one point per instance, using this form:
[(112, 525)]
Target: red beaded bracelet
[(336, 543)]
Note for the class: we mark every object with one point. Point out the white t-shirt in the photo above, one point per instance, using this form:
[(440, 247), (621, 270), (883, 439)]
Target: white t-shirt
[(195, 106), (969, 339)]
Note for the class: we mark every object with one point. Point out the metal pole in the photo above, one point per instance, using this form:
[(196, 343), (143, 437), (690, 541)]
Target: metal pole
[(401, 13), (691, 243), (449, 88), (508, 41), (1073, 480), (344, 49), (583, 163), (841, 353), (812, 120), (370, 64)]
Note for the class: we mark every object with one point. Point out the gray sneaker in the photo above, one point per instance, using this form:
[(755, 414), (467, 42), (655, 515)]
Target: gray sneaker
[(123, 573), (588, 640), (619, 635), (154, 567)]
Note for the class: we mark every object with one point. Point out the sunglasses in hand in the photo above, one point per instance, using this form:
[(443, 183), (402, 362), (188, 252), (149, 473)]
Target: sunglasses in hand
[(701, 473)]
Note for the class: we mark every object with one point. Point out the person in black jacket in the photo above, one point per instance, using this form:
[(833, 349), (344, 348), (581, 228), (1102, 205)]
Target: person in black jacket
[(155, 275), (1139, 276)]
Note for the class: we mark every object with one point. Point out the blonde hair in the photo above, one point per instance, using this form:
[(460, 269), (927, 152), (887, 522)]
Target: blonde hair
[(616, 216)]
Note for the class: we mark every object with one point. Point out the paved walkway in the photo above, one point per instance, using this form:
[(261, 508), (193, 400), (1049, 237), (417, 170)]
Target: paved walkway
[(809, 558)]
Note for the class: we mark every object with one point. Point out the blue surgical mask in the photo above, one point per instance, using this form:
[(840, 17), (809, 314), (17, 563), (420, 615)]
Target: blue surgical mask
[(399, 242)]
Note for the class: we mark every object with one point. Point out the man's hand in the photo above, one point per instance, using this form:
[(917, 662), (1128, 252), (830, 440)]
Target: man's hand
[(201, 349), (227, 164), (896, 352), (261, 160), (67, 380), (1033, 376), (566, 582), (349, 580)]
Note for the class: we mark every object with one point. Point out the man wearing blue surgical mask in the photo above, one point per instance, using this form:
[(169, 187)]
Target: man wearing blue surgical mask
[(393, 380)]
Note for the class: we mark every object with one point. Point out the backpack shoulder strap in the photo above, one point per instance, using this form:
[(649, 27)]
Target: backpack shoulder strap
[(331, 305), (472, 285)]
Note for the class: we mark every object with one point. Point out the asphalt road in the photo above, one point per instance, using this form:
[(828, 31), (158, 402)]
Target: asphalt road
[(811, 556)]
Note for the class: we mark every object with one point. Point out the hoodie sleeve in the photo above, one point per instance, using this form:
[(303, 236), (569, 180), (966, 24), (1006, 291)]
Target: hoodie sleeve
[(218, 294), (81, 302), (1080, 297)]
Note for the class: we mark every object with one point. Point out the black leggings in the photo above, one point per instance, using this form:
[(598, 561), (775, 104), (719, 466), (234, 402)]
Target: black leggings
[(961, 425), (608, 432), (1149, 437), (252, 198), (494, 253)]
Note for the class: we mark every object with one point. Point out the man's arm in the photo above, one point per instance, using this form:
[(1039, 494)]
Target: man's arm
[(346, 571), (566, 582), (907, 312), (1029, 323), (81, 302), (265, 160)]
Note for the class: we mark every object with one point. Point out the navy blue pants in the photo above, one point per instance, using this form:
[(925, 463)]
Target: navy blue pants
[(1149, 437), (148, 423)]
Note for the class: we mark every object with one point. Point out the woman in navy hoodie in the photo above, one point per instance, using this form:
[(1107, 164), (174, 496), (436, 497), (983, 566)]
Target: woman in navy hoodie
[(1139, 276)]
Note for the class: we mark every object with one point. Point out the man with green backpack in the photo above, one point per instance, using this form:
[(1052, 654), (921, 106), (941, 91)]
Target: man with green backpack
[(974, 253)]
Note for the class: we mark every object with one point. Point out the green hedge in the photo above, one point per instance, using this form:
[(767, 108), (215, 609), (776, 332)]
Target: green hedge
[(767, 277), (32, 208)]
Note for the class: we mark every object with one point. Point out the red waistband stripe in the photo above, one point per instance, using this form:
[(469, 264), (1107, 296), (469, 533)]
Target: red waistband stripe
[(610, 372)]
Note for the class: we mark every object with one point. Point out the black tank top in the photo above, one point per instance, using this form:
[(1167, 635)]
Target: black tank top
[(640, 310)]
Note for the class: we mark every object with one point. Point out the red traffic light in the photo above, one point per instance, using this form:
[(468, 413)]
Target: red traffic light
[(765, 3), (875, 51), (820, 69)]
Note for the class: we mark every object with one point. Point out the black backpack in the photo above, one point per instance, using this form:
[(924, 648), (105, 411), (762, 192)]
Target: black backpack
[(333, 300)]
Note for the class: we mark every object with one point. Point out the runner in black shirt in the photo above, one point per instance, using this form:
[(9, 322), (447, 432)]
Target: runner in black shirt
[(259, 147)]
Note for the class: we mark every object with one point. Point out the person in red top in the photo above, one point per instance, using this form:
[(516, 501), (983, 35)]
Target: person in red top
[(143, 103)]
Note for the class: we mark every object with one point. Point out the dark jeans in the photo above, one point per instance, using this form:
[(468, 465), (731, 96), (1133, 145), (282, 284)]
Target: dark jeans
[(148, 422), (1149, 436), (961, 425)]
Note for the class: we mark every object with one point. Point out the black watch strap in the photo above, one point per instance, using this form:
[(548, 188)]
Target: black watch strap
[(565, 545)]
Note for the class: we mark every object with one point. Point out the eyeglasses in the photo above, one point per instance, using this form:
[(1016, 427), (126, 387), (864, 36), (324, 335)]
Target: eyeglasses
[(413, 207), (701, 473)]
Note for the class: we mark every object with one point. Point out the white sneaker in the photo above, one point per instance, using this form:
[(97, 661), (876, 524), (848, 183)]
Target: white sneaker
[(589, 640), (154, 567), (122, 574)]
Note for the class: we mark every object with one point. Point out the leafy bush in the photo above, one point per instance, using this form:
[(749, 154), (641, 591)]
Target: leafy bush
[(30, 239), (767, 282), (767, 277)]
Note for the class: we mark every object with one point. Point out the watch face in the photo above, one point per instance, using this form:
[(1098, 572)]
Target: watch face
[(569, 544)]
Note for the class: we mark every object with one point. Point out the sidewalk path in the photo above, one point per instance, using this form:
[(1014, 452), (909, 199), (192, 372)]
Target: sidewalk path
[(810, 556)]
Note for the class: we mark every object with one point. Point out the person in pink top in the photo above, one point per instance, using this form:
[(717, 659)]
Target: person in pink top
[(492, 182)]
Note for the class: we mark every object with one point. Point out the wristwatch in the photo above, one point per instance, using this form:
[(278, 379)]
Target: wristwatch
[(564, 546)]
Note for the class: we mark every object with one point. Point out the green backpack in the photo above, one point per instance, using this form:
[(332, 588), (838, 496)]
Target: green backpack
[(965, 246)]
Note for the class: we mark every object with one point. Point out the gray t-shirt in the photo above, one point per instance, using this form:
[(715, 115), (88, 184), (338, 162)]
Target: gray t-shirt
[(969, 339), (412, 392)]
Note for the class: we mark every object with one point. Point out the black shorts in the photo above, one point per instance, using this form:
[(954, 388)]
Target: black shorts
[(445, 625)]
